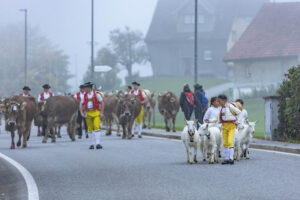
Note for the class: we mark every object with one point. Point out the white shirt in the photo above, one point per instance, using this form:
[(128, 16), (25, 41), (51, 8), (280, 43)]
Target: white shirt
[(227, 112), (81, 97), (136, 92), (90, 102), (25, 95), (212, 113), (244, 115), (46, 96)]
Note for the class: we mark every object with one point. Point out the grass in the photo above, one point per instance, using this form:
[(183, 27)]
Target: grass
[(255, 108), (175, 84)]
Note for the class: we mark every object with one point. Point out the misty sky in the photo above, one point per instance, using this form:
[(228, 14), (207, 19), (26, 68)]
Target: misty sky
[(67, 23)]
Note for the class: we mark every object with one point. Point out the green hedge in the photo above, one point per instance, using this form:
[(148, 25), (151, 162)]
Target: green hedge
[(289, 105)]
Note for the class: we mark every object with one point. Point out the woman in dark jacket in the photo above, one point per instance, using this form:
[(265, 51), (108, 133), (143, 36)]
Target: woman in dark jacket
[(198, 103), (187, 102)]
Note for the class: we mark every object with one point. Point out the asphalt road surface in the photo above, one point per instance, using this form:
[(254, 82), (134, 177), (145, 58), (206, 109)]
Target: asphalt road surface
[(150, 169)]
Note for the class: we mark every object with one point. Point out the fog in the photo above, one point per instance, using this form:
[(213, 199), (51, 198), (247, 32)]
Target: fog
[(67, 23)]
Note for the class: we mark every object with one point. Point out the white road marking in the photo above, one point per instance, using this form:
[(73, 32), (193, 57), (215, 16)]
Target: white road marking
[(33, 193), (269, 151)]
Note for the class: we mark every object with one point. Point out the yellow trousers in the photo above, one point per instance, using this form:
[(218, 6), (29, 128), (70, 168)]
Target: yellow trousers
[(228, 134), (140, 116), (93, 120)]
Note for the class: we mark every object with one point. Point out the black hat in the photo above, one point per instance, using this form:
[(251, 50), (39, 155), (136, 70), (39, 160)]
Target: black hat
[(88, 84), (26, 88), (81, 86), (46, 86), (135, 83), (222, 96)]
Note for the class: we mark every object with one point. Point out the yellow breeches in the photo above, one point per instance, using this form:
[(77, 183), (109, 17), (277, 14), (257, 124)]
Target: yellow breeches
[(140, 116), (93, 120), (228, 134)]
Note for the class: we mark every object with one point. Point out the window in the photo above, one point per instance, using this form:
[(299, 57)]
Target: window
[(201, 19), (188, 19), (207, 55)]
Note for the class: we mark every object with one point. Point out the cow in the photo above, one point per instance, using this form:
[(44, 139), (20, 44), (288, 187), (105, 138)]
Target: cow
[(168, 106), (149, 107), (57, 111), (19, 113), (110, 111), (129, 107)]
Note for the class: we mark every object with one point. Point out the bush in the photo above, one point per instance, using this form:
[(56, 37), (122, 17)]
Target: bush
[(289, 105)]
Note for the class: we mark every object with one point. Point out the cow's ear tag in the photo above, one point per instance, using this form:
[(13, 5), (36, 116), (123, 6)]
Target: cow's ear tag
[(15, 108)]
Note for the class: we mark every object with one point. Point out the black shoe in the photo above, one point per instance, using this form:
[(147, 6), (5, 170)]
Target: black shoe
[(98, 146), (86, 136), (220, 154), (132, 135), (231, 162), (92, 147), (140, 136), (225, 162)]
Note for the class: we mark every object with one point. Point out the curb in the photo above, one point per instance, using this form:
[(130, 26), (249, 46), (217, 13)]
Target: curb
[(252, 145)]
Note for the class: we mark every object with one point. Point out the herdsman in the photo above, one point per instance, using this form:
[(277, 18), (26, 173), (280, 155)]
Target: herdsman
[(143, 98), (80, 98), (228, 117), (45, 94), (25, 93), (91, 109)]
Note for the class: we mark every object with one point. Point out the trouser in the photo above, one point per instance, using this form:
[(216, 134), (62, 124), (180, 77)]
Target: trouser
[(188, 111), (199, 115), (79, 122), (139, 121), (93, 124), (44, 130), (228, 139)]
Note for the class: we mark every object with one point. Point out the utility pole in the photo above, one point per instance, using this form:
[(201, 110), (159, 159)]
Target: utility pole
[(92, 39), (196, 43), (25, 42)]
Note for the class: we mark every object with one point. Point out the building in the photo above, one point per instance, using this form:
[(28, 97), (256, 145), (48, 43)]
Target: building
[(268, 47), (170, 38)]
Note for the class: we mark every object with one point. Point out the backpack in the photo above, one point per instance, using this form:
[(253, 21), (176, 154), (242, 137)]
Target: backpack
[(204, 100), (189, 98)]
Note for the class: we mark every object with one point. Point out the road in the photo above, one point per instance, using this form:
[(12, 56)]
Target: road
[(150, 169)]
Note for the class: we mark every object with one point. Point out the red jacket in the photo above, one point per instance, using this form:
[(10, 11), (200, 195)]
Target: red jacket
[(96, 105), (78, 96), (42, 95), (140, 95)]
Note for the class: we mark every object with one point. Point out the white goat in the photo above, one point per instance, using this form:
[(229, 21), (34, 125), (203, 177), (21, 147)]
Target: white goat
[(243, 136), (190, 139), (211, 140)]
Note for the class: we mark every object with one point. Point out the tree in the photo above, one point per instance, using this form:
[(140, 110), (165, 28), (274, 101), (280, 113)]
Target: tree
[(289, 105), (129, 48), (46, 63), (107, 80)]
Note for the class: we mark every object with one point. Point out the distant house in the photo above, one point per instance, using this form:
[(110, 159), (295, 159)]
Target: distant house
[(268, 48), (170, 38)]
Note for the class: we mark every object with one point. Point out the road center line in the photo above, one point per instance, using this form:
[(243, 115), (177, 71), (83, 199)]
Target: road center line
[(33, 193)]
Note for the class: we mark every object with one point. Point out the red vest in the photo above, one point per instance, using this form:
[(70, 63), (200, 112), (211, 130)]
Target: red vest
[(140, 95), (224, 121), (21, 95), (94, 100), (42, 96), (78, 96)]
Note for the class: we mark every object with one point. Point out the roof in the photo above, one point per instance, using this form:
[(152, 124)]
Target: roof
[(165, 18), (274, 32)]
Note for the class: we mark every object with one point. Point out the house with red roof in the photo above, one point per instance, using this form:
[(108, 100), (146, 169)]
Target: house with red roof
[(267, 48)]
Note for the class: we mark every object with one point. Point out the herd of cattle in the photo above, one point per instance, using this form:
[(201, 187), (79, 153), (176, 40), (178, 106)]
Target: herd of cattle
[(121, 109)]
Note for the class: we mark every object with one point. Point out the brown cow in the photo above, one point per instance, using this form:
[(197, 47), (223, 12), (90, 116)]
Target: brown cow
[(168, 106), (19, 116), (110, 111), (150, 106), (57, 111), (129, 107)]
